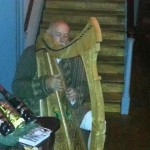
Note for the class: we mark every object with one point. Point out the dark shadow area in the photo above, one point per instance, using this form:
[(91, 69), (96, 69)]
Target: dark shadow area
[(131, 132)]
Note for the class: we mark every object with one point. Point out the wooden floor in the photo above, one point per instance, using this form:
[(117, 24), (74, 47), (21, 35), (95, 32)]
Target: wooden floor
[(132, 132)]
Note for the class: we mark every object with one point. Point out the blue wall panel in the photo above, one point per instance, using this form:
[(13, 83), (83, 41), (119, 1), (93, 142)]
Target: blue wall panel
[(9, 39)]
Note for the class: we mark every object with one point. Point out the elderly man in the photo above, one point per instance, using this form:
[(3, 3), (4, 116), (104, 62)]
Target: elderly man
[(26, 84), (31, 88)]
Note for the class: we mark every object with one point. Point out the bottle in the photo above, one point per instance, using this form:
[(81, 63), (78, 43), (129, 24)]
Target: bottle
[(11, 114), (22, 109), (5, 126), (19, 105)]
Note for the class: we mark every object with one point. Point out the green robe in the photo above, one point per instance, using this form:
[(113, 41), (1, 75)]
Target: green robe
[(25, 83)]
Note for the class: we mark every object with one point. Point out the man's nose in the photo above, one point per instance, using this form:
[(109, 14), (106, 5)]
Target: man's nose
[(62, 39)]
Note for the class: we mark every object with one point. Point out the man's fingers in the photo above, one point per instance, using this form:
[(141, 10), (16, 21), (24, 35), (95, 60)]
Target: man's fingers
[(57, 84), (71, 93)]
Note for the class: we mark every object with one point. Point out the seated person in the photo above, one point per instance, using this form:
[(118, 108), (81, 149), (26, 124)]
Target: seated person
[(31, 88)]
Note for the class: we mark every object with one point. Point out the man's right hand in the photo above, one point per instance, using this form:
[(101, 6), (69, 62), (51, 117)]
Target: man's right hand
[(54, 82)]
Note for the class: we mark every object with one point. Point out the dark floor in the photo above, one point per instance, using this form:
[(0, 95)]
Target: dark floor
[(132, 132)]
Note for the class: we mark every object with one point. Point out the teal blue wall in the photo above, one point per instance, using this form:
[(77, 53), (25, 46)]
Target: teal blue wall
[(11, 39)]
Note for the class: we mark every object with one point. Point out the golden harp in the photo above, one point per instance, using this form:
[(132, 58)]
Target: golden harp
[(86, 45)]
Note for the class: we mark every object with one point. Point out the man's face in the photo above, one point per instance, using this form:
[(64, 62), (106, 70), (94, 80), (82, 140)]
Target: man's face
[(61, 33)]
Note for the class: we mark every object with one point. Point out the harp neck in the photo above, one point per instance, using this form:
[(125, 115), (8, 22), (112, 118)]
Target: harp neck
[(89, 36)]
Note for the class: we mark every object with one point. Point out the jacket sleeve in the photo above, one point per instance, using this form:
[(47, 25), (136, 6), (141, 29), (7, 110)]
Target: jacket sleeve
[(25, 84)]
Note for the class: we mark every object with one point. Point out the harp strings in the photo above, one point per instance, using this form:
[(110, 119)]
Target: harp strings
[(79, 76), (77, 83)]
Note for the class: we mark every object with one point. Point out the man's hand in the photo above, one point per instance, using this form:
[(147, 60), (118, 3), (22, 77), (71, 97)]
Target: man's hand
[(71, 95), (55, 83)]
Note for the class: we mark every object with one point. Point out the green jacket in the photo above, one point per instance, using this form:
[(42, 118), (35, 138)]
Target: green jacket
[(25, 83)]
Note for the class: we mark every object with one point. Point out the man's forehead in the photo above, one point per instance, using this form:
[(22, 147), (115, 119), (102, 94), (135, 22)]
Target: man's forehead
[(61, 27)]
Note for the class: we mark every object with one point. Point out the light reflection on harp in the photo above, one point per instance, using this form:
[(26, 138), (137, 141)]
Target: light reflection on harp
[(86, 46)]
